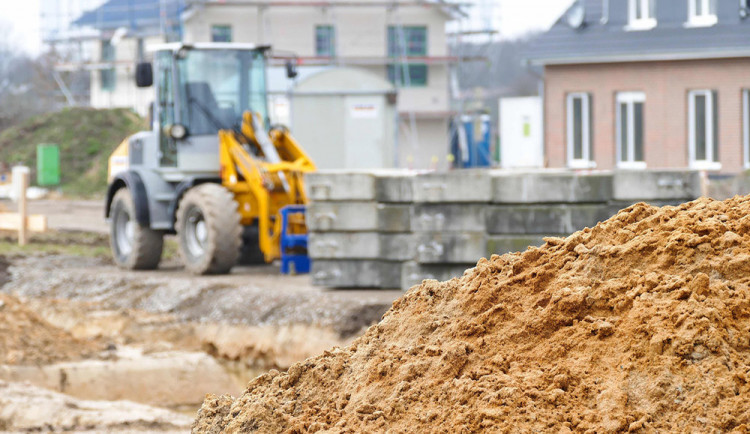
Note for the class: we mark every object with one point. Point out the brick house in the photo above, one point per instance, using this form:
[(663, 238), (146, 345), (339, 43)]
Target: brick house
[(655, 84)]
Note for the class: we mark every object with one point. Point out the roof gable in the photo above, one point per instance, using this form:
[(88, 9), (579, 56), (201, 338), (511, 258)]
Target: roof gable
[(606, 37), (135, 15)]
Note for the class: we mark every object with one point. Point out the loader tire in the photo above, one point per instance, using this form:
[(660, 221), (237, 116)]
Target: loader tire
[(134, 247), (208, 229)]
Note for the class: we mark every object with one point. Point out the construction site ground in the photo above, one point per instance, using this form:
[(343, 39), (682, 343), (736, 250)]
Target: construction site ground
[(143, 348)]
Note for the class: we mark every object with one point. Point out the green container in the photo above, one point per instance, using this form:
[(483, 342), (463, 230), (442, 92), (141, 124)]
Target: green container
[(47, 165)]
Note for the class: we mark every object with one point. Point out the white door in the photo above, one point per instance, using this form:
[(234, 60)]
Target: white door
[(521, 132), (365, 145)]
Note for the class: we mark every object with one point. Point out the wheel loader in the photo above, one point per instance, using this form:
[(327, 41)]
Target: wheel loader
[(211, 170)]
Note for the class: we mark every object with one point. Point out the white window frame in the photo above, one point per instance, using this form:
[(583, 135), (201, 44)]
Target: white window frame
[(746, 127), (706, 19), (646, 22), (708, 163), (629, 98), (586, 162)]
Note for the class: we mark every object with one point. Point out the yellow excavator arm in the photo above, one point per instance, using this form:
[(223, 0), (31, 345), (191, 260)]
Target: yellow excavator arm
[(265, 171)]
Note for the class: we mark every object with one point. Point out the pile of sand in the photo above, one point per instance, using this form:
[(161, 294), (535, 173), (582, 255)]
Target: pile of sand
[(641, 323), (27, 339)]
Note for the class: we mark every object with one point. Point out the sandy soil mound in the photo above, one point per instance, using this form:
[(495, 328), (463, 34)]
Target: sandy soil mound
[(27, 339), (641, 323)]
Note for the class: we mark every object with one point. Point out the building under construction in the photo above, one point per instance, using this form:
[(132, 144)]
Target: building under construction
[(394, 54)]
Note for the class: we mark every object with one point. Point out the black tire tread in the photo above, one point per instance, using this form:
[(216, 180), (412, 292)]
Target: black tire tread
[(224, 229), (148, 244)]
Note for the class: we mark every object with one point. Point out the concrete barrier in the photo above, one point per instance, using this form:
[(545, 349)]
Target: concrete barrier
[(544, 219), (550, 187), (458, 186), (448, 217), (354, 273), (361, 245), (449, 247), (435, 225), (661, 185), (358, 216)]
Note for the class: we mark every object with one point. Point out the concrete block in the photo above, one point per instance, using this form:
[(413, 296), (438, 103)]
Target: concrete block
[(448, 217), (358, 216), (361, 245), (502, 244), (343, 245), (395, 187), (413, 273), (544, 219), (456, 186), (550, 187), (394, 218), (398, 247), (356, 274), (332, 185), (644, 185), (450, 247)]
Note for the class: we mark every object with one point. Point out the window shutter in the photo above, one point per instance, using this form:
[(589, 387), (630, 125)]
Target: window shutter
[(715, 125), (590, 99)]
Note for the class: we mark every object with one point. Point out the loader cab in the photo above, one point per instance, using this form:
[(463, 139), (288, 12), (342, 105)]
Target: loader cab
[(199, 90)]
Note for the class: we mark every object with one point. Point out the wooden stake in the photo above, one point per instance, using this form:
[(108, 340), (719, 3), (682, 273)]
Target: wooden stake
[(704, 183), (23, 210)]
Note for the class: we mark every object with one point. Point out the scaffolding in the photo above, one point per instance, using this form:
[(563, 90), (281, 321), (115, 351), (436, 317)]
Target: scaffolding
[(115, 19)]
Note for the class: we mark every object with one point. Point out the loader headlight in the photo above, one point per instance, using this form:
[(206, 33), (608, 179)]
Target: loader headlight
[(178, 131)]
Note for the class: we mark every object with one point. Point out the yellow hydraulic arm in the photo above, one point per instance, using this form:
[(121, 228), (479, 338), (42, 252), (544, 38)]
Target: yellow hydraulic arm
[(265, 173)]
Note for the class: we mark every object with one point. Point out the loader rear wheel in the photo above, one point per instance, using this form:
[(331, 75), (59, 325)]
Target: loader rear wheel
[(134, 247), (208, 230)]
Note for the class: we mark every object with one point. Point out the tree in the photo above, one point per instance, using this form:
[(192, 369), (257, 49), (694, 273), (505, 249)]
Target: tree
[(27, 84)]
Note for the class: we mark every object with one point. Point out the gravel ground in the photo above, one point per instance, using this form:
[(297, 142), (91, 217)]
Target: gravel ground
[(257, 296)]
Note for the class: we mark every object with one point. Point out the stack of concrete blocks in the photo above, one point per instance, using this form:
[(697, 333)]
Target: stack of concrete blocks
[(449, 223), (394, 229), (359, 227)]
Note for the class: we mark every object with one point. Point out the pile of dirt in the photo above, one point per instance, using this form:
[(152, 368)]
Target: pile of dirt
[(27, 339), (641, 323)]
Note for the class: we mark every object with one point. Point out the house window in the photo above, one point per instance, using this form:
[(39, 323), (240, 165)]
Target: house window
[(221, 33), (407, 41), (703, 129), (702, 13), (107, 74), (325, 41), (746, 126), (630, 130), (642, 14), (580, 154)]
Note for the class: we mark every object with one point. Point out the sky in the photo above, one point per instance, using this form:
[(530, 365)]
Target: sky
[(513, 18), (21, 19)]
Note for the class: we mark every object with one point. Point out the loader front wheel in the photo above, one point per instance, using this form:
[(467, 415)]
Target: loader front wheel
[(208, 230), (134, 247)]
